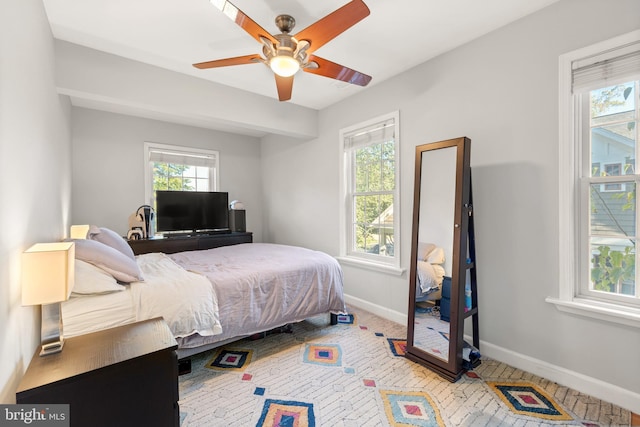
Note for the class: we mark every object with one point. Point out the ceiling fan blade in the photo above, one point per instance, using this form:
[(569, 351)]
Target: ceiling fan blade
[(336, 71), (285, 87), (335, 23), (238, 60), (247, 24)]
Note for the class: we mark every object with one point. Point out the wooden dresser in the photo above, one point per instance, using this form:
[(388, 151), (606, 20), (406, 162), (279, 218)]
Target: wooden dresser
[(124, 376)]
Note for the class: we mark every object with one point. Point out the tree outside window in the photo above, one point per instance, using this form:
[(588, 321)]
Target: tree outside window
[(179, 177), (373, 198)]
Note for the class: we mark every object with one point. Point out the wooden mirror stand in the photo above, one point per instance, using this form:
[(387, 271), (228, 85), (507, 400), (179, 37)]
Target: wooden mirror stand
[(442, 218)]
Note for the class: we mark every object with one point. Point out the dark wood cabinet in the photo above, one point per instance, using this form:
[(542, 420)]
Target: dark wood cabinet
[(124, 376), (170, 245)]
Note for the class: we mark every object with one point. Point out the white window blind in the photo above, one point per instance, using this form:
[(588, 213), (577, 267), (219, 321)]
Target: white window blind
[(373, 134), (182, 158), (606, 68)]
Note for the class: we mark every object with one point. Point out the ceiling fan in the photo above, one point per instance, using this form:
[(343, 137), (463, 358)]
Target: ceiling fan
[(285, 54)]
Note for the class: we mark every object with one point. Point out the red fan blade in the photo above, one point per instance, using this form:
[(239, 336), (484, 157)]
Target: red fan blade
[(238, 60), (335, 23), (247, 24), (285, 87), (336, 71)]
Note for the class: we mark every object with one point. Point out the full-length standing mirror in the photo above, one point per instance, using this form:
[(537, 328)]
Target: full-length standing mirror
[(443, 291)]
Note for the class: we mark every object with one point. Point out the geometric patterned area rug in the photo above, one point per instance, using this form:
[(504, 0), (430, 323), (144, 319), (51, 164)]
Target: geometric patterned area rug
[(398, 346), (353, 374), (323, 354), (282, 413), (228, 359), (528, 399), (410, 409), (433, 333)]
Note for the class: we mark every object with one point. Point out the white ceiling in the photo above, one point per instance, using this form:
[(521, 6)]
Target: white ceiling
[(173, 34)]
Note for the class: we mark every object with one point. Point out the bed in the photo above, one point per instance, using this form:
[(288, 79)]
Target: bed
[(430, 272), (207, 297)]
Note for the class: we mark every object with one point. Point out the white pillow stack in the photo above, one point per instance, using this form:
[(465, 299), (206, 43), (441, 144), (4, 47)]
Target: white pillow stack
[(103, 260)]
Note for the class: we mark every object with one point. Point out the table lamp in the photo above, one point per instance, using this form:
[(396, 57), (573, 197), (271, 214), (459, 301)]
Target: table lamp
[(79, 231), (47, 279)]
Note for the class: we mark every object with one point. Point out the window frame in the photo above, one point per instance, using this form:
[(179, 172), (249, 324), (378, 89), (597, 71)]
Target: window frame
[(382, 263), (214, 173), (614, 187), (573, 195), (609, 183)]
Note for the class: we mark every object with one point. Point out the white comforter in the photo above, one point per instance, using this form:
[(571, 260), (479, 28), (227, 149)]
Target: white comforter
[(261, 286), (185, 299)]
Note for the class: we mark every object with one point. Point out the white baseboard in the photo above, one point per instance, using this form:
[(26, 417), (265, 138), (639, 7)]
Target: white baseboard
[(378, 310), (577, 381), (588, 385)]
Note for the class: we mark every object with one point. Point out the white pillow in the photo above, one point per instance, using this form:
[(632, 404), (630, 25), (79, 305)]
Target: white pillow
[(424, 249), (430, 253), (112, 239), (114, 262), (436, 256), (91, 280)]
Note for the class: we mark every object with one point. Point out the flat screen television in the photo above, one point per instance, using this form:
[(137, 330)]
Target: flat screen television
[(192, 211)]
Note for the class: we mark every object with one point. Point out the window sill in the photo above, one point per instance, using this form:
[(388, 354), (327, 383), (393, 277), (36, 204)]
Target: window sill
[(598, 310), (383, 268)]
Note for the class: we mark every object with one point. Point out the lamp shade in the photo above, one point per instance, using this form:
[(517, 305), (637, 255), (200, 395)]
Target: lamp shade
[(47, 273), (79, 231), (284, 65)]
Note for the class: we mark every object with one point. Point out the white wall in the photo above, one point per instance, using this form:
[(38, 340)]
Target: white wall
[(35, 178), (500, 90), (108, 161), (144, 90)]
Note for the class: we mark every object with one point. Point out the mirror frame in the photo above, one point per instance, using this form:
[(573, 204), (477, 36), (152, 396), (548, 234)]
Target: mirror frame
[(452, 368)]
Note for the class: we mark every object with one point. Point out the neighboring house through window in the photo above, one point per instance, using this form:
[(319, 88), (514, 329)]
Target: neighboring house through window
[(370, 209), (599, 210), (612, 169), (176, 168)]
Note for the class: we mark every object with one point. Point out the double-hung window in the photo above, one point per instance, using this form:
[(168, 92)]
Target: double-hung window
[(370, 193), (176, 168), (599, 210)]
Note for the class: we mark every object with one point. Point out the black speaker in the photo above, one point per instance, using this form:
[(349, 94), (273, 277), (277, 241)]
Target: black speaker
[(237, 220)]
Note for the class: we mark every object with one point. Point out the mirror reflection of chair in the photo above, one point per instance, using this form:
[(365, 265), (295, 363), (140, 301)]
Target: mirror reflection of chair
[(443, 261)]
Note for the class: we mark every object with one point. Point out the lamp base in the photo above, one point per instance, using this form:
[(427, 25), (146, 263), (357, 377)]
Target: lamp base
[(52, 348), (51, 330)]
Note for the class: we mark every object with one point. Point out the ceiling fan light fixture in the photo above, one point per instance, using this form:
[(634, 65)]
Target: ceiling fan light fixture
[(284, 65), (285, 54)]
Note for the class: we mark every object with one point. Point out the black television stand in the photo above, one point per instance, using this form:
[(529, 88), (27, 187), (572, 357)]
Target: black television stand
[(189, 242), (212, 232), (185, 235), (198, 233)]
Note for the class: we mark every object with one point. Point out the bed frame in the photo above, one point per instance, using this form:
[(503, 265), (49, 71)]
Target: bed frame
[(184, 354)]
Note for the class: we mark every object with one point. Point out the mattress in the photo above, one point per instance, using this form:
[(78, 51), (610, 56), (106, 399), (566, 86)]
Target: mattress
[(90, 313)]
